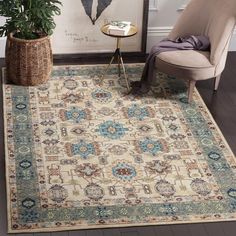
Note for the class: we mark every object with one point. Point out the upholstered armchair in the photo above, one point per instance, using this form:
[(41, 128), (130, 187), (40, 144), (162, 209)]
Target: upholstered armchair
[(213, 18)]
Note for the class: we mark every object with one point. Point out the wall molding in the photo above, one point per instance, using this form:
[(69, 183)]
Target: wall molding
[(156, 34), (153, 5), (164, 30), (182, 7), (159, 31)]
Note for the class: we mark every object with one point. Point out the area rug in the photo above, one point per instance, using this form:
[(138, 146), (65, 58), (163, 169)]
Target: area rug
[(80, 155)]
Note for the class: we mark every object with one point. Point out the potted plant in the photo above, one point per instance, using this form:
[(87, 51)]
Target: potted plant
[(29, 23)]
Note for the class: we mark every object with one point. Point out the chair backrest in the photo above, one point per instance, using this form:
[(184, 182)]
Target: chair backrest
[(213, 18)]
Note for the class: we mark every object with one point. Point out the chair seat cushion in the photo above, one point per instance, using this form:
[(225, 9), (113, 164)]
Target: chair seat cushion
[(189, 64)]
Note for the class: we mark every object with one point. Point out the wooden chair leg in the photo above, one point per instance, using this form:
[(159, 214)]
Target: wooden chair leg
[(190, 90), (217, 81)]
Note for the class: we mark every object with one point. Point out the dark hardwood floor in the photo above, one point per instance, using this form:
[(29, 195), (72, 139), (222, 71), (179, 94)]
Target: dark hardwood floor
[(222, 106)]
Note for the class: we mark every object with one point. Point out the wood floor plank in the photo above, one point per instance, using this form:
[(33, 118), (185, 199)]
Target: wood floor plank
[(147, 230), (182, 230), (28, 234), (77, 233), (64, 233), (129, 233), (42, 234), (214, 229), (229, 228), (94, 232), (163, 230), (196, 230), (111, 232)]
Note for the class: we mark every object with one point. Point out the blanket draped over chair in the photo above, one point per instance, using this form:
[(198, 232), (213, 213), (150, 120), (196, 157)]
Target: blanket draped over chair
[(192, 42)]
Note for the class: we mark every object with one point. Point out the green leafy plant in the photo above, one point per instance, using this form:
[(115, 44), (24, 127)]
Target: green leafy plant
[(29, 19)]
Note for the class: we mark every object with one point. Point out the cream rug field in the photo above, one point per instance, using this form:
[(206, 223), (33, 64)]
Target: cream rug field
[(81, 156)]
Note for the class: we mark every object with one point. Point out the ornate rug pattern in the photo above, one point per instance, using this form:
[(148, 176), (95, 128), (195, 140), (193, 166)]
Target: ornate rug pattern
[(80, 155)]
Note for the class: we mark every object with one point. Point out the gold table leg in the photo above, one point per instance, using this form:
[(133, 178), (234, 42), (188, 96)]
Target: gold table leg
[(120, 64), (112, 59), (125, 75)]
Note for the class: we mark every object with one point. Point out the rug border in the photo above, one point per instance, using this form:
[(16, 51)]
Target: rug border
[(3, 81), (74, 228), (214, 122)]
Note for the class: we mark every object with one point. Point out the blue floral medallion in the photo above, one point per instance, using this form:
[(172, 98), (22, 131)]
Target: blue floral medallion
[(21, 106), (232, 193), (83, 149), (150, 146), (75, 114), (135, 111), (112, 130), (28, 203), (124, 171), (29, 216), (25, 164), (214, 156)]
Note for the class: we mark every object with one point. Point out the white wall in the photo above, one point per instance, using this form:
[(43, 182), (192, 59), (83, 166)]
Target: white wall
[(162, 16)]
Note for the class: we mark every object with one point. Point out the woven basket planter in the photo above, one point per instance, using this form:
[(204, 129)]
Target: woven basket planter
[(28, 62)]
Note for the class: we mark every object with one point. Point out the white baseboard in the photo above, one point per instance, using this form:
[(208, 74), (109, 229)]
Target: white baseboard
[(156, 34)]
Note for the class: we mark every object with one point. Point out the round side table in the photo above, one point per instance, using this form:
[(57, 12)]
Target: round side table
[(117, 54)]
